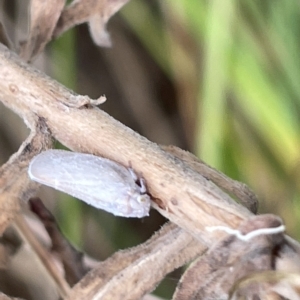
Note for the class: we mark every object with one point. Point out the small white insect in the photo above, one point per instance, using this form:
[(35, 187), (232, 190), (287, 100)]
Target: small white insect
[(97, 181)]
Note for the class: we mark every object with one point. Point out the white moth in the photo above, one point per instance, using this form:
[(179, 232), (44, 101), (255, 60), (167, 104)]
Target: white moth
[(97, 181)]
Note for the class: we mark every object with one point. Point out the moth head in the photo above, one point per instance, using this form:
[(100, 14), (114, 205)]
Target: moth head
[(139, 205)]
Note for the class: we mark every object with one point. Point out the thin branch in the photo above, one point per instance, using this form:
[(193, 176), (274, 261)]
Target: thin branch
[(14, 181), (131, 273), (28, 236), (70, 257)]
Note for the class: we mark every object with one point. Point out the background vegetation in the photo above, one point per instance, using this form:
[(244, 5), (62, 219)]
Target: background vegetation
[(220, 78)]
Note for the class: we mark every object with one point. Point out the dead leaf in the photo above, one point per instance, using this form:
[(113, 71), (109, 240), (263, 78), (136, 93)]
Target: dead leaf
[(43, 19), (94, 12)]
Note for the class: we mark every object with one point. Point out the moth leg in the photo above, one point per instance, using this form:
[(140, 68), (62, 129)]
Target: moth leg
[(143, 189), (140, 181), (133, 174)]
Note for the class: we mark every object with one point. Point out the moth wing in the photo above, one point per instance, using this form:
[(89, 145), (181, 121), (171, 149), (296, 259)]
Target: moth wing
[(97, 181)]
